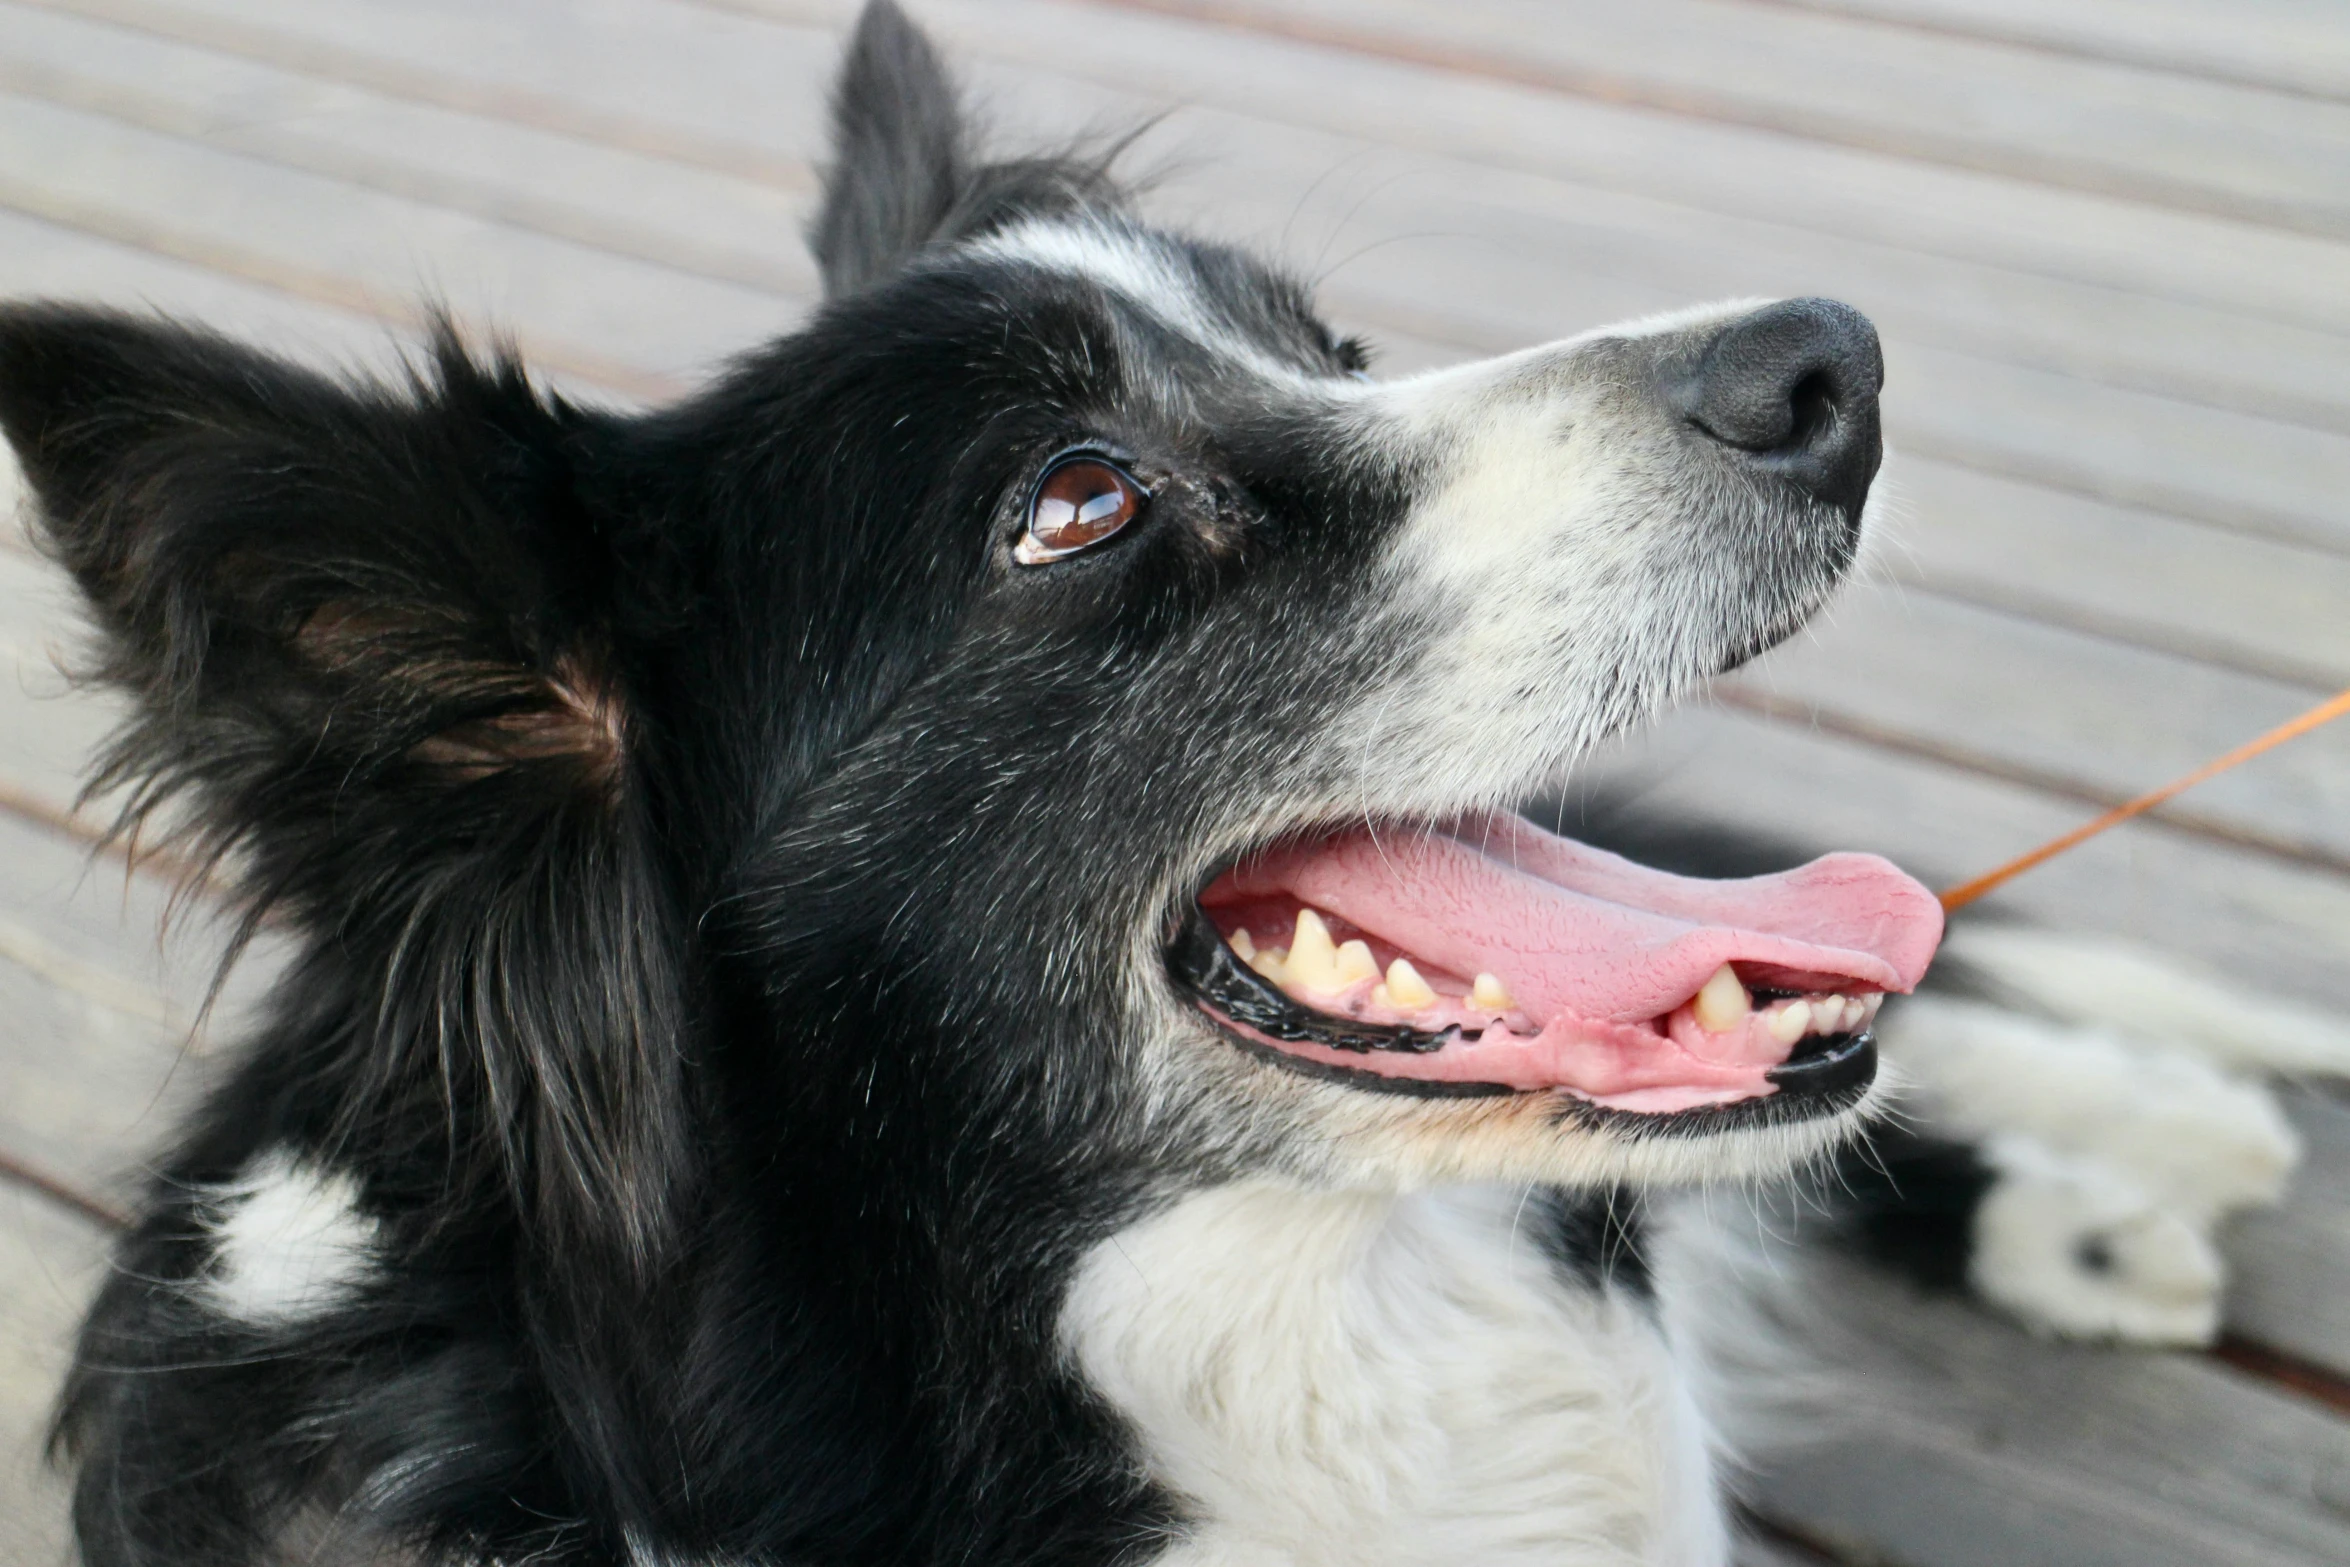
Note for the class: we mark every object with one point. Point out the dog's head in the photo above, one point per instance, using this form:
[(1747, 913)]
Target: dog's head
[(1054, 711)]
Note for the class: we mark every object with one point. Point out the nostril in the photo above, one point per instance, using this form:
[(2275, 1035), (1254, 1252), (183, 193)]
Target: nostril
[(1791, 388), (1811, 406)]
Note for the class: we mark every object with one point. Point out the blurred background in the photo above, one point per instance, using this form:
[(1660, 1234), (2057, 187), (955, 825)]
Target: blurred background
[(2107, 242)]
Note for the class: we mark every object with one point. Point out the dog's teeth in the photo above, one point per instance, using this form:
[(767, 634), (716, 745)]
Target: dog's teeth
[(1868, 1007), (1243, 943), (1789, 1023), (1722, 1003), (1355, 963), (1313, 956), (1406, 990), (1272, 962), (1489, 994)]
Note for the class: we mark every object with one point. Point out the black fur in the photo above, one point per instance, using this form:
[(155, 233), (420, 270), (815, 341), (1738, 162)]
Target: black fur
[(671, 818)]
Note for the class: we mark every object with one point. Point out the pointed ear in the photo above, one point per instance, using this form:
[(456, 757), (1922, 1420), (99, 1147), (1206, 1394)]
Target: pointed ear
[(900, 153), (370, 637), (907, 171)]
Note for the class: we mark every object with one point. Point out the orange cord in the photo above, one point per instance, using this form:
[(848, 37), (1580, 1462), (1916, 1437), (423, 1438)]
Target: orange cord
[(1965, 893)]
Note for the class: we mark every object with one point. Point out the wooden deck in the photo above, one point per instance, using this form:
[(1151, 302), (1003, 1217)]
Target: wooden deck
[(2108, 244)]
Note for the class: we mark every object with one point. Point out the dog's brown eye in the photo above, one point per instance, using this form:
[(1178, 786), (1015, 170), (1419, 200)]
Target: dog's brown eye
[(1080, 503)]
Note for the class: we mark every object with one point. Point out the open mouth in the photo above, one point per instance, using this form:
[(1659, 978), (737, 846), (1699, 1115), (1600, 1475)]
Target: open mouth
[(1487, 956)]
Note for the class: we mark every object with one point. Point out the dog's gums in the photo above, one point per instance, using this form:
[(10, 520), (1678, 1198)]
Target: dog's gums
[(1493, 955)]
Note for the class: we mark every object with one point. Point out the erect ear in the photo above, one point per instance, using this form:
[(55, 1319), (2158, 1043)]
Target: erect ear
[(899, 152), (371, 638), (905, 168)]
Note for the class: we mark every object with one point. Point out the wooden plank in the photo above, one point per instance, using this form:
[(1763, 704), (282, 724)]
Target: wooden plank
[(1753, 1551), (2264, 921), (1944, 1438), (42, 259), (598, 314), (52, 728), (50, 1265), (2078, 713), (754, 75), (2285, 45), (1502, 257), (2029, 114), (101, 1053), (2263, 607), (2289, 1286), (1776, 179), (2150, 449), (717, 225), (729, 227)]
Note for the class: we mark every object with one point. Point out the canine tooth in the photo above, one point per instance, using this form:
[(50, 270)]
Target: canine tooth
[(1488, 993), (1790, 1022), (1313, 956), (1722, 1002), (1243, 943), (1355, 963), (1406, 990)]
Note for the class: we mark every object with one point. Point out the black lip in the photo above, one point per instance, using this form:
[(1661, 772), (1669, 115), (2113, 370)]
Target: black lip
[(1829, 1076)]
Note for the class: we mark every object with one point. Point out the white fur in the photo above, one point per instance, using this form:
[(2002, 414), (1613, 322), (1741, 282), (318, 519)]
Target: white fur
[(1363, 1378), (1146, 272), (290, 1242), (2199, 1141), (2090, 979), (2156, 1277)]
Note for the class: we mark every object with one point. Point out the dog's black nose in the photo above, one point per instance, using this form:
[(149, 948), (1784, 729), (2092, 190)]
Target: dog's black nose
[(1794, 387)]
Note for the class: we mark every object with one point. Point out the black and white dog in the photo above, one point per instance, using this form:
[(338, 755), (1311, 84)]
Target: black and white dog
[(924, 957)]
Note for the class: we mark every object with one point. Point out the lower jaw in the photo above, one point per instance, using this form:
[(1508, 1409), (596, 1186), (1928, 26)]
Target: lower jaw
[(1832, 1075)]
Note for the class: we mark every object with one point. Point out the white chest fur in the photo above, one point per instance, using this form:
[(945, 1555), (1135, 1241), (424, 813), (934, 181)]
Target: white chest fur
[(1364, 1379)]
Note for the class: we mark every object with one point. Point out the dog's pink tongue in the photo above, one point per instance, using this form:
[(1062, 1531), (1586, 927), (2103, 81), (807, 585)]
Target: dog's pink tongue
[(1572, 929)]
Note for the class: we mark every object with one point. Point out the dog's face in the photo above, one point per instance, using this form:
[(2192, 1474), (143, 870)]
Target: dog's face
[(1195, 800), (1055, 700)]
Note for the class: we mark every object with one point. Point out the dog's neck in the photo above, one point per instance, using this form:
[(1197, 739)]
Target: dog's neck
[(1371, 1379)]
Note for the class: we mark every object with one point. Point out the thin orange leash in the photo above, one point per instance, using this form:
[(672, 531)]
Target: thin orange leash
[(1965, 893)]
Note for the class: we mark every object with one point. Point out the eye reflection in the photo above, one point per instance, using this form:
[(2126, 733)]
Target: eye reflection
[(1079, 503)]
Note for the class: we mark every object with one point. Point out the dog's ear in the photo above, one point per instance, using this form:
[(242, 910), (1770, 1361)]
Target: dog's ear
[(372, 640), (905, 168), (899, 152)]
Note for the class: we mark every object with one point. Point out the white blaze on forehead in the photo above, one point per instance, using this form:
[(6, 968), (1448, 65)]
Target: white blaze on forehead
[(290, 1241), (1146, 272)]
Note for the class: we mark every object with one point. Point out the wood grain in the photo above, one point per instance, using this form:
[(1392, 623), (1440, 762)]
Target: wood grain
[(1945, 1438), (50, 1264)]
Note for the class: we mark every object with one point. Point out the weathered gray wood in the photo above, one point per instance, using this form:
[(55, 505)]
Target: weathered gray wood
[(2243, 472), (2290, 45), (99, 1050), (1773, 178), (2265, 608), (1751, 1551), (2081, 712), (1523, 238), (2260, 919), (50, 1264), (715, 224), (589, 311), (1945, 1438), (2035, 114), (2290, 1285), (51, 727), (752, 74)]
